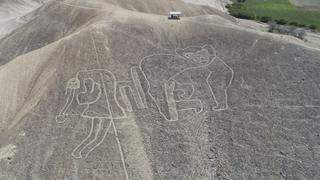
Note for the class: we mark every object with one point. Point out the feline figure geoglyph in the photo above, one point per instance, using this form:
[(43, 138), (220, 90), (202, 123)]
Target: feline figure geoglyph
[(193, 78)]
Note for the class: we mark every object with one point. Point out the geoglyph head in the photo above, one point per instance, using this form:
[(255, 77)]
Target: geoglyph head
[(201, 55), (73, 83)]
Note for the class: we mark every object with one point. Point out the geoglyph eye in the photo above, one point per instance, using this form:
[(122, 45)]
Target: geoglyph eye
[(204, 60), (188, 55)]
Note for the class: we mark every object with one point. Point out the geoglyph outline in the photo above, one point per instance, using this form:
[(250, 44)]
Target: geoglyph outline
[(187, 69), (141, 102)]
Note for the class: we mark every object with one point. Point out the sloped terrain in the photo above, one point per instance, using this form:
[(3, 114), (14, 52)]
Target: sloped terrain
[(115, 90), (14, 13), (217, 4)]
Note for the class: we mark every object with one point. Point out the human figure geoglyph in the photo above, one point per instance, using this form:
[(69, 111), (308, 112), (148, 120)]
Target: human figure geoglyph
[(94, 91)]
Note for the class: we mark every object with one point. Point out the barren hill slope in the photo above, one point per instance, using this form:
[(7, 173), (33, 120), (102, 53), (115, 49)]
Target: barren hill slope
[(57, 19), (115, 90), (12, 13)]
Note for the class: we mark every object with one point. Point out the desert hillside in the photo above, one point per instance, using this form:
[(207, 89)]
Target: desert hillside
[(114, 90)]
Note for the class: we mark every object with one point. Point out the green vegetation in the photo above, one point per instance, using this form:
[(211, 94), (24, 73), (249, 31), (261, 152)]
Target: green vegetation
[(280, 11), (313, 27), (281, 21), (265, 19)]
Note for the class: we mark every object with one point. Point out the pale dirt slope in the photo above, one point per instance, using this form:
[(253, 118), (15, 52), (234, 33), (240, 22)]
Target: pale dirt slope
[(13, 14), (80, 96), (217, 4)]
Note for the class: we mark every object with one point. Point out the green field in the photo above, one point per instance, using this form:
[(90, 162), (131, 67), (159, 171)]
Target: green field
[(276, 10)]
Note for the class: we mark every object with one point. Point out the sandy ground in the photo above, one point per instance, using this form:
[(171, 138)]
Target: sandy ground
[(254, 25), (11, 13), (7, 151), (312, 39), (217, 4)]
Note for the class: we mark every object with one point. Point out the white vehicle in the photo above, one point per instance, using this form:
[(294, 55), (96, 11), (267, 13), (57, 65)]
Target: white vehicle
[(174, 15)]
